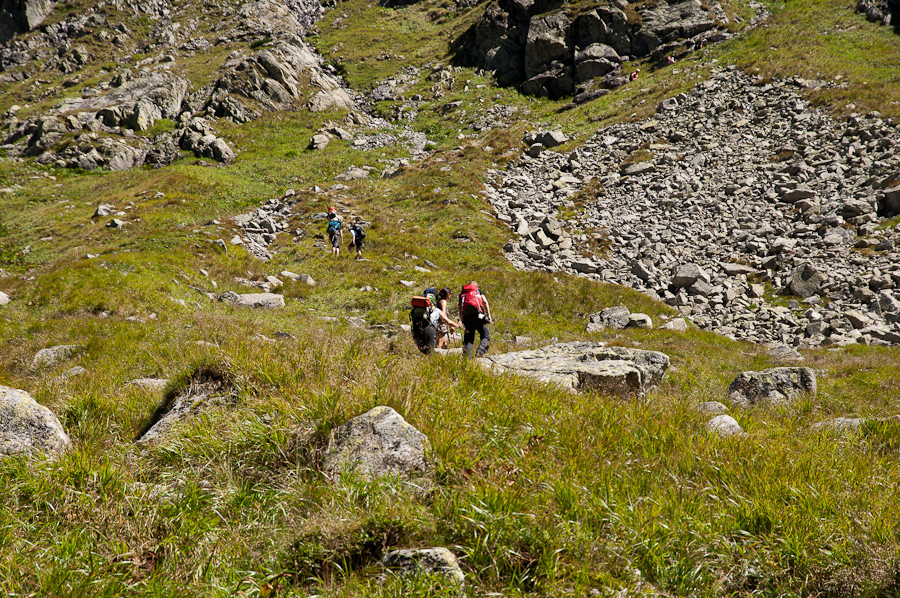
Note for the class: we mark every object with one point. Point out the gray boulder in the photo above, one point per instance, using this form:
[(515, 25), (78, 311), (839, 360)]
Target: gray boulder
[(586, 366), (687, 274), (724, 425), (678, 325), (376, 444), (772, 386), (4, 298), (27, 427), (805, 281), (256, 300), (51, 356), (438, 561), (616, 317)]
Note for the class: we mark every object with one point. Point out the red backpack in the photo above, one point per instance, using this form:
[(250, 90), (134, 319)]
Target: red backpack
[(470, 300)]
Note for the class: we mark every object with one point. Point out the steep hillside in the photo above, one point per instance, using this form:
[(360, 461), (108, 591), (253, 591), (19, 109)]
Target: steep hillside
[(653, 244)]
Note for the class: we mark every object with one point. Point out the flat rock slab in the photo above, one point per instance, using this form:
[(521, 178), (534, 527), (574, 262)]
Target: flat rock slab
[(847, 424), (772, 386), (586, 366), (257, 300), (182, 408), (378, 443), (28, 427), (438, 561)]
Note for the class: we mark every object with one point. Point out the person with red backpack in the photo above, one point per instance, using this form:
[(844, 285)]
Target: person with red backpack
[(475, 313)]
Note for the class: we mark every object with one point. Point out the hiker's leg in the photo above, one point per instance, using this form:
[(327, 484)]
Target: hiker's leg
[(468, 341), (429, 333), (485, 334)]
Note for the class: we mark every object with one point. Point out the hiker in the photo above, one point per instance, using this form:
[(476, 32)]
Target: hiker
[(357, 235), (445, 325), (670, 60), (475, 313), (424, 330), (335, 233), (634, 75)]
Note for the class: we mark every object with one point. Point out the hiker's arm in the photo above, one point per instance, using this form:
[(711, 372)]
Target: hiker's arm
[(487, 307), (447, 320)]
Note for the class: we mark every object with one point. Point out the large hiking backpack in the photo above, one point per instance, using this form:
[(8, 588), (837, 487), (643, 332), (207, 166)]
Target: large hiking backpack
[(359, 232), (421, 309), (334, 226), (470, 300)]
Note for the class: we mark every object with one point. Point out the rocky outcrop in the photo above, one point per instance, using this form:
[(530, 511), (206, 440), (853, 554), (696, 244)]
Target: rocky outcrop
[(437, 561), (105, 126), (550, 52), (883, 12), (744, 191), (772, 386), (27, 427), (19, 16), (582, 366), (376, 444)]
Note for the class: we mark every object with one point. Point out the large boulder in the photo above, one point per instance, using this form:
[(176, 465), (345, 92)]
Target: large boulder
[(379, 443), (586, 366), (27, 427), (772, 386), (547, 43), (19, 16)]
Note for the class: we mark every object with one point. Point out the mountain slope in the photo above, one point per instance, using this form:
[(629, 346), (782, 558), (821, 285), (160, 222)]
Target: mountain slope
[(534, 489)]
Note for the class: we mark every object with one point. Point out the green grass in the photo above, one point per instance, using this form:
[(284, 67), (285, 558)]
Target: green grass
[(537, 491)]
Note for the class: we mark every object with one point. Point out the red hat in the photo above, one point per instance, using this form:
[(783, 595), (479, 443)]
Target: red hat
[(331, 210)]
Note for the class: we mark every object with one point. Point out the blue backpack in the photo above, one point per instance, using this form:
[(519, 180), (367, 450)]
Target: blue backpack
[(334, 226)]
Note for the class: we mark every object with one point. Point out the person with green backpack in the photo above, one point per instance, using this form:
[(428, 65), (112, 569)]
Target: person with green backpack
[(426, 316), (334, 231)]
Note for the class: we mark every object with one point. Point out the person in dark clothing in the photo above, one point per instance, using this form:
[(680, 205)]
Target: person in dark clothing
[(475, 313)]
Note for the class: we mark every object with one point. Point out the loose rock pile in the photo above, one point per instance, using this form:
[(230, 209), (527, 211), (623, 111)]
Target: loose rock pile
[(730, 193)]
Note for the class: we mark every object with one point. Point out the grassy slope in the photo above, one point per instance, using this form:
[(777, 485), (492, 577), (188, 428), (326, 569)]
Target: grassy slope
[(538, 491)]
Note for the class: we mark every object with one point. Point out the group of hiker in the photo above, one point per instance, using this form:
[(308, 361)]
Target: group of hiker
[(335, 232), (432, 325)]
